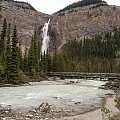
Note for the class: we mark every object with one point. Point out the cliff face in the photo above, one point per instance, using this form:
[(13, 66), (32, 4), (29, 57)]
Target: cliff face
[(24, 16), (85, 21), (65, 25)]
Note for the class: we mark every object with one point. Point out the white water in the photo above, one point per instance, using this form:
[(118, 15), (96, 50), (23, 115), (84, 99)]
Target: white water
[(45, 42), (26, 97)]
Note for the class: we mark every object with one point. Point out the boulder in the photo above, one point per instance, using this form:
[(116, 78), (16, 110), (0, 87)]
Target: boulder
[(5, 108), (44, 107), (30, 116)]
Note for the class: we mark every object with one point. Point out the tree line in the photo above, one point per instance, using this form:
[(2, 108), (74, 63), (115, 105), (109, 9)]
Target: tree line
[(82, 3)]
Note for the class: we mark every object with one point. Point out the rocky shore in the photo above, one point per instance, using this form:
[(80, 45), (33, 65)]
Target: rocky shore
[(96, 114), (69, 112), (112, 85), (47, 112)]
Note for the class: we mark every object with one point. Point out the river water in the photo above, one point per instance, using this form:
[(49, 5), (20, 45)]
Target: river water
[(28, 97)]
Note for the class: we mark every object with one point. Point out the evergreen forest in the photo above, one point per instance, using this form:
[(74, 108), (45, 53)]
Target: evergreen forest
[(83, 3)]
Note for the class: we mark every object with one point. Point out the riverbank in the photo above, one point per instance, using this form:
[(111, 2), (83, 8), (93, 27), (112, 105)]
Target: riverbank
[(96, 114), (85, 112), (63, 108)]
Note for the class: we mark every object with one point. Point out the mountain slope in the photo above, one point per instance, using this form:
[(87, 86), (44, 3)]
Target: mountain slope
[(70, 24), (24, 16)]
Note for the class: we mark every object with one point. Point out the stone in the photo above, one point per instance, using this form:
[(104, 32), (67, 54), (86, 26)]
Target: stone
[(33, 111), (5, 108), (109, 94), (44, 107), (30, 116), (46, 118), (77, 103)]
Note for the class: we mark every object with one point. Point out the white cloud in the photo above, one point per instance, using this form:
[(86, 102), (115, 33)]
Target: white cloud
[(51, 6)]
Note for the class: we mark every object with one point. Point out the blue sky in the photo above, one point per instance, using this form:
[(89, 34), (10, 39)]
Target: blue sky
[(51, 6)]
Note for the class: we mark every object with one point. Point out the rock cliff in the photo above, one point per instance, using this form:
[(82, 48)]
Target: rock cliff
[(24, 16), (85, 21), (65, 24)]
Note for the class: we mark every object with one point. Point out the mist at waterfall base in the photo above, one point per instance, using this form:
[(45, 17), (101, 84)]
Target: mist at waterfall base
[(45, 36)]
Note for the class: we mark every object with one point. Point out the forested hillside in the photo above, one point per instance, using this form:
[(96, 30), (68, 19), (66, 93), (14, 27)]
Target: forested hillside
[(13, 63), (84, 18), (83, 3)]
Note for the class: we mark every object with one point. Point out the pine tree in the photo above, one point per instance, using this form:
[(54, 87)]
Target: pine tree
[(44, 66), (2, 38), (8, 53), (25, 60), (38, 56), (14, 70), (0, 8), (31, 58), (54, 61), (48, 62), (20, 56), (34, 55)]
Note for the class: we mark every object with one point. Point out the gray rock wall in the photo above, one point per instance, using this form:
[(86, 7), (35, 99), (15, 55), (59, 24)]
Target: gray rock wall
[(23, 15)]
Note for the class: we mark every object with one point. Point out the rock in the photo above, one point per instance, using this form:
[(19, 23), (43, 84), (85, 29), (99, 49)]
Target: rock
[(33, 111), (30, 116), (57, 97), (74, 81), (27, 119), (1, 108), (53, 78), (109, 94), (4, 118), (77, 103), (102, 88), (46, 118), (110, 85), (5, 108), (6, 112), (44, 107)]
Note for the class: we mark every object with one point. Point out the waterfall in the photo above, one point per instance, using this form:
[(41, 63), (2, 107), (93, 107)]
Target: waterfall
[(45, 37)]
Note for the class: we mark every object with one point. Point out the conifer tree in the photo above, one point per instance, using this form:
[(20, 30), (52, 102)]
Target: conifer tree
[(8, 53), (2, 38), (35, 51), (25, 60), (20, 56), (14, 70), (34, 55), (44, 62), (54, 61), (48, 62), (0, 8), (31, 58)]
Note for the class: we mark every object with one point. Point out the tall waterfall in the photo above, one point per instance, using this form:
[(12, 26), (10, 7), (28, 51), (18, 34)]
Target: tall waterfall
[(45, 37)]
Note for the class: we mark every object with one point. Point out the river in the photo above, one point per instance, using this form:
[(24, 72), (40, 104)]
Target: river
[(27, 97)]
